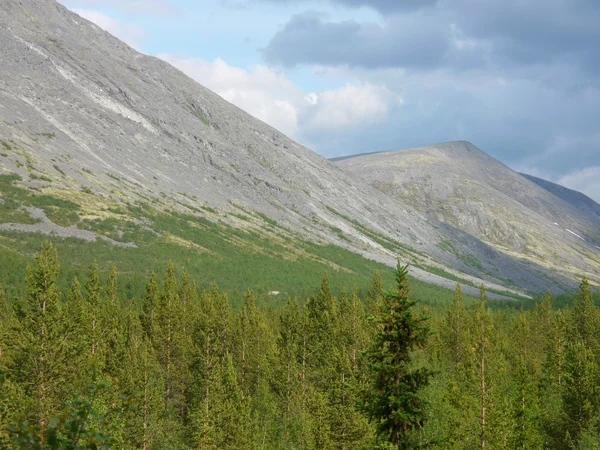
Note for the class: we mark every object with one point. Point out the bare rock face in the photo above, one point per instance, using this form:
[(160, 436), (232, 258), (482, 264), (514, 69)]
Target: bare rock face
[(84, 109), (461, 186), (576, 199)]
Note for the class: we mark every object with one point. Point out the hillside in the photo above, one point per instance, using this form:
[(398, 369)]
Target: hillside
[(461, 186), (576, 199), (106, 142)]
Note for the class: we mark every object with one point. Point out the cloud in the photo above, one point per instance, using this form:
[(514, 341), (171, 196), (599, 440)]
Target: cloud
[(459, 35), (348, 106), (150, 7), (260, 91), (271, 97), (403, 41), (383, 6), (128, 32), (586, 180)]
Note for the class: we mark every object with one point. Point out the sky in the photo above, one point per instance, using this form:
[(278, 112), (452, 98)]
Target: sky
[(520, 79)]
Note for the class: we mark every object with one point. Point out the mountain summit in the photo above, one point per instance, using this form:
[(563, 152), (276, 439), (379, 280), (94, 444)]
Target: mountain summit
[(460, 185)]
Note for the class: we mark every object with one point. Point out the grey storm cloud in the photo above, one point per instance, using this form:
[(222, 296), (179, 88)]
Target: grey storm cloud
[(461, 34), (400, 42), (383, 6)]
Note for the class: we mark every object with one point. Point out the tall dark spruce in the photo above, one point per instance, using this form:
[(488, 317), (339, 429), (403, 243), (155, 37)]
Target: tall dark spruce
[(393, 400)]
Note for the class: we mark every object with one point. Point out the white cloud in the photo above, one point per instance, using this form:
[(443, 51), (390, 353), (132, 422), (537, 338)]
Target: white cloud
[(271, 97), (128, 32), (348, 106), (586, 180), (154, 7), (260, 91)]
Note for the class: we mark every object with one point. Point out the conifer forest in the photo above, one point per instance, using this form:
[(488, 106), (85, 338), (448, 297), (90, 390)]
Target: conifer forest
[(181, 368)]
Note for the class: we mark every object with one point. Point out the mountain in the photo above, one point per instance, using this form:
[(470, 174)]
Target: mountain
[(463, 187), (576, 199), (102, 144)]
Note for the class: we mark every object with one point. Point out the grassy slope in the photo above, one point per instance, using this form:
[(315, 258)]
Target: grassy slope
[(210, 250)]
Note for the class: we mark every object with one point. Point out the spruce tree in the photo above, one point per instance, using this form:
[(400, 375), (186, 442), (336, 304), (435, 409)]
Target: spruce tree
[(375, 295), (113, 314), (149, 303), (6, 317), (321, 333), (455, 331), (40, 361), (580, 393), (211, 340), (525, 410), (75, 317), (141, 384), (93, 334), (290, 383), (172, 343), (481, 332), (394, 401), (586, 318)]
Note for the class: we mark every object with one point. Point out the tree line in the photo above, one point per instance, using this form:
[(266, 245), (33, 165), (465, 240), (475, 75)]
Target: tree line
[(181, 368)]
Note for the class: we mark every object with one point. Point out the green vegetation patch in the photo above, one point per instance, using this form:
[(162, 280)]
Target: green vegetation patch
[(16, 198), (202, 118)]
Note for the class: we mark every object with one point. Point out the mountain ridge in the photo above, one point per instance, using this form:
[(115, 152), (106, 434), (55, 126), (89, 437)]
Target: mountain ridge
[(462, 186)]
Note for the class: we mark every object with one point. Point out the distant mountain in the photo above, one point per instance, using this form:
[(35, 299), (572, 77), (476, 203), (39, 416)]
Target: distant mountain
[(115, 144), (575, 198), (461, 186)]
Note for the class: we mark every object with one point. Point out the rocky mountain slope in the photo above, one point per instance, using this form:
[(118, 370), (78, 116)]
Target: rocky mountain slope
[(576, 199), (461, 186), (88, 122)]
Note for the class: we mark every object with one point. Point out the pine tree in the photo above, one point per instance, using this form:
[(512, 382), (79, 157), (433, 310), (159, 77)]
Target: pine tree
[(75, 316), (212, 342), (7, 325), (113, 312), (393, 402), (321, 332), (93, 334), (580, 394), (141, 383), (525, 414), (355, 332), (375, 295), (6, 319), (149, 303), (454, 335), (40, 362), (586, 318), (171, 343), (481, 321), (290, 384)]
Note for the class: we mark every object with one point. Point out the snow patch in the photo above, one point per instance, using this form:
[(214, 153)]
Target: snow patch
[(555, 223), (575, 234)]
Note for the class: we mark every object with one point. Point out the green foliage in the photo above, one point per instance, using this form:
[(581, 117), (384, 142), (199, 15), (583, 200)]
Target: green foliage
[(180, 364), (70, 433), (59, 170), (202, 117), (393, 401)]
